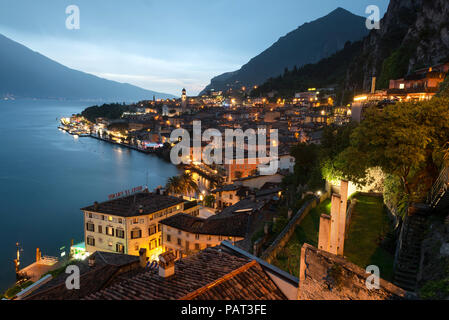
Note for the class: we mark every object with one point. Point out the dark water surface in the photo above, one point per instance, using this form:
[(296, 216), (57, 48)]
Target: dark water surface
[(47, 175)]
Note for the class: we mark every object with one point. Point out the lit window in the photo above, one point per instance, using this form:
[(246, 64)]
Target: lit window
[(402, 86), (110, 218)]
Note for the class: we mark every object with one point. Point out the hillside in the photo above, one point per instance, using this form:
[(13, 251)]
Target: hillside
[(307, 44), (28, 74)]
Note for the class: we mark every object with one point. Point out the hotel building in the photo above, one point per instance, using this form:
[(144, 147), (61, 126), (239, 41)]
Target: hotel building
[(128, 224)]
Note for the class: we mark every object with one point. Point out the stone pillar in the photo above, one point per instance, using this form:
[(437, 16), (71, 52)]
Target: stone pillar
[(342, 217), (325, 232), (335, 214)]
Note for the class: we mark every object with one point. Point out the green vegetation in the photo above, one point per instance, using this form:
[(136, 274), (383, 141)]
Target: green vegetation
[(11, 292), (368, 228), (313, 75), (405, 140), (183, 184), (307, 232), (396, 65), (435, 290), (110, 111)]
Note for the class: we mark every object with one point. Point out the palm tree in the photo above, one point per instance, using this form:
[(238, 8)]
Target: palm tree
[(174, 185), (188, 183)]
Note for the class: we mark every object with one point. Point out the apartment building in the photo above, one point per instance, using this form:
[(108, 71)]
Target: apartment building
[(128, 224), (184, 234)]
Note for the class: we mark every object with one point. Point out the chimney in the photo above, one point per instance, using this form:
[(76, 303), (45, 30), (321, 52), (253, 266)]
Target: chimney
[(141, 209), (166, 264), (91, 261), (143, 260), (373, 85)]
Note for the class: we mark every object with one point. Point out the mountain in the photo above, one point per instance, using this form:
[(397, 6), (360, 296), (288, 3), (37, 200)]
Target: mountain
[(307, 44), (28, 74), (413, 34)]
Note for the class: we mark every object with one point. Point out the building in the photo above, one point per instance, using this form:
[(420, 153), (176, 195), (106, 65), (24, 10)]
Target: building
[(226, 195), (185, 235), (128, 224), (184, 100)]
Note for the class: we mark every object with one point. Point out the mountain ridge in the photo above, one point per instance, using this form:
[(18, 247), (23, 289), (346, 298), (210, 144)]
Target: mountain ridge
[(309, 43), (29, 74)]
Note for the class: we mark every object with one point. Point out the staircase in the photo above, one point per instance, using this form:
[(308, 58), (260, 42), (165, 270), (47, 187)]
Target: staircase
[(439, 195), (409, 248)]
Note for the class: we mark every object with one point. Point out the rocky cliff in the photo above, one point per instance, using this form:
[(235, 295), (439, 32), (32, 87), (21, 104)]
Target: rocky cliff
[(412, 34)]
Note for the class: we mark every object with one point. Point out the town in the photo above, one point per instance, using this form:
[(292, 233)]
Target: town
[(232, 214), (317, 171)]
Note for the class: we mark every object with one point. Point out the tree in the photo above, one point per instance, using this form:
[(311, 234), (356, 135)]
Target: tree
[(188, 184), (174, 185), (405, 140)]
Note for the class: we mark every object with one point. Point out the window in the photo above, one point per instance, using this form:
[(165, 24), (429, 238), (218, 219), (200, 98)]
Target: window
[(159, 228), (110, 243), (179, 232), (100, 229), (120, 233), (90, 227), (120, 248), (110, 218), (102, 217), (90, 215), (168, 238), (209, 238), (187, 246), (91, 241), (136, 247), (197, 237), (179, 242), (135, 234), (159, 241), (197, 246), (153, 244), (120, 220), (110, 231), (152, 229), (208, 245), (135, 221)]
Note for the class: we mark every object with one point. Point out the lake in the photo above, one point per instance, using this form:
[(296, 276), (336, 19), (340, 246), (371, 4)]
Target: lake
[(47, 175)]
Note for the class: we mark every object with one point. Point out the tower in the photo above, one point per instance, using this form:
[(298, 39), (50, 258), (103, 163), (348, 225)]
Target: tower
[(184, 100)]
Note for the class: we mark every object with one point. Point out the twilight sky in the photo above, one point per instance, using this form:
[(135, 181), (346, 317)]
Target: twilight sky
[(162, 45)]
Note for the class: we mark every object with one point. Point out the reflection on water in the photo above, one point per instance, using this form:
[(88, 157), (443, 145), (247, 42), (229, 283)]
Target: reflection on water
[(46, 176)]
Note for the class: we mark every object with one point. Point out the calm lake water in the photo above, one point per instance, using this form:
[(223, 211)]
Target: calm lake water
[(46, 176)]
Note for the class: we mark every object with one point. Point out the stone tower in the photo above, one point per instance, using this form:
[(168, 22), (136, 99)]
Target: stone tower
[(184, 100)]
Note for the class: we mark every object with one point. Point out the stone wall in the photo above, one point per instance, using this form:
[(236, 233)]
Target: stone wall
[(282, 239)]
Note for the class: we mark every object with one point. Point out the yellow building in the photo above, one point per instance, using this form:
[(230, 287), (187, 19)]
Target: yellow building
[(125, 225), (184, 234)]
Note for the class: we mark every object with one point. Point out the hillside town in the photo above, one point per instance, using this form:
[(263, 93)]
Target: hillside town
[(230, 219), (357, 207)]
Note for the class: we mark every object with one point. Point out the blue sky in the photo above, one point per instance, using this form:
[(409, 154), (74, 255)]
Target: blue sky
[(162, 45)]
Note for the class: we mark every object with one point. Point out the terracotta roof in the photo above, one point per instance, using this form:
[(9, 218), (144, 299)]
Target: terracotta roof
[(107, 267), (212, 273), (129, 206), (229, 226), (249, 282)]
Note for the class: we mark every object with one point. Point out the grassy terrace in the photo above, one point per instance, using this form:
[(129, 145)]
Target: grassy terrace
[(306, 232), (369, 224)]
